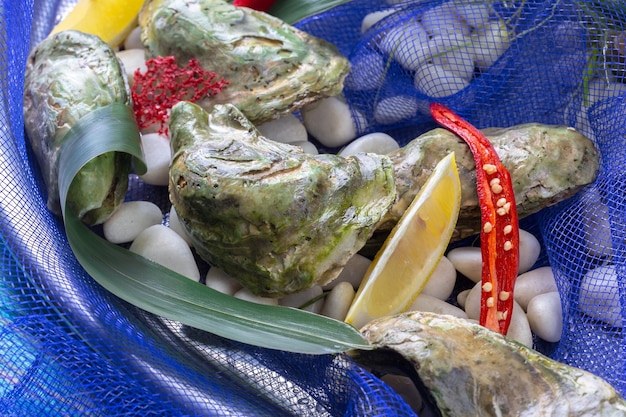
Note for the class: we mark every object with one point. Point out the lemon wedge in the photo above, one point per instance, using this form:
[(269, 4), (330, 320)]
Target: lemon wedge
[(412, 250), (111, 20)]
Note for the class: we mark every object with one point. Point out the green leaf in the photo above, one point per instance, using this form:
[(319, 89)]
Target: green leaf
[(293, 11), (163, 292)]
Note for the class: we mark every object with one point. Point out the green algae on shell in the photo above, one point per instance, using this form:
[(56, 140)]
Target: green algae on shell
[(277, 219)]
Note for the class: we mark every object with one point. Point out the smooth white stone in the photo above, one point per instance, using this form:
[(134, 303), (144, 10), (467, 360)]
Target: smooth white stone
[(307, 147), (461, 298), (285, 129), (435, 81), (298, 299), (177, 226), (367, 72), (130, 219), (395, 109), (529, 250), (378, 142), (372, 18), (597, 229), (352, 273), (245, 294), (164, 246), (338, 301), (532, 283), (425, 302), (157, 155), (468, 261), (441, 283), (599, 295), (132, 60), (406, 43), (133, 40), (443, 19), (519, 329), (329, 121), (474, 14), (545, 316), (221, 281), (458, 61), (489, 43)]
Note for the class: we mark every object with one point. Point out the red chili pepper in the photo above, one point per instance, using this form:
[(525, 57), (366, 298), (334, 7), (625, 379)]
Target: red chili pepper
[(260, 5), (499, 237)]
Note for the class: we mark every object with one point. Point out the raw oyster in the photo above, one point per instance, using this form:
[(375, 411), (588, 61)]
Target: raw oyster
[(277, 219), (472, 371), (68, 75), (547, 164), (272, 68)]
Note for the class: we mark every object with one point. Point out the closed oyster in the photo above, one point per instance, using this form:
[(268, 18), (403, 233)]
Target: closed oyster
[(272, 68), (68, 75), (472, 371), (547, 164), (277, 219)]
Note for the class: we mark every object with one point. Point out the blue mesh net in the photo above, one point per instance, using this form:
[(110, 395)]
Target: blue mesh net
[(67, 347)]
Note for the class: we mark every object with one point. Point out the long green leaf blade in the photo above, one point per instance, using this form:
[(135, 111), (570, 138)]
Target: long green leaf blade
[(163, 292), (291, 11)]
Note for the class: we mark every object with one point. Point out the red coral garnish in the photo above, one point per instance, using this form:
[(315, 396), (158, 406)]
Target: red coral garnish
[(164, 84)]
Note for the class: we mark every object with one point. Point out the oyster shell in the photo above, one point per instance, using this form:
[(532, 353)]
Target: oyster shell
[(274, 217), (272, 68), (68, 75), (472, 371)]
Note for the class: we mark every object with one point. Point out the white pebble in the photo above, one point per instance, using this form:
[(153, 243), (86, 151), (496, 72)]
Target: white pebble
[(133, 40), (461, 298), (435, 81), (395, 109), (489, 43), (545, 316), (425, 302), (599, 295), (406, 43), (443, 19), (352, 273), (458, 61), (247, 295), (441, 283), (529, 250), (285, 129), (329, 121), (338, 301), (468, 261), (367, 72), (532, 283), (130, 219), (307, 147), (298, 299), (157, 155), (221, 281), (474, 14), (378, 142), (132, 60), (519, 329), (177, 226), (597, 229), (372, 18), (164, 246)]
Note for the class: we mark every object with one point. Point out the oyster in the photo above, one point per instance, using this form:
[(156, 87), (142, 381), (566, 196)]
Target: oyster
[(472, 371), (272, 68), (547, 164), (277, 219), (68, 75)]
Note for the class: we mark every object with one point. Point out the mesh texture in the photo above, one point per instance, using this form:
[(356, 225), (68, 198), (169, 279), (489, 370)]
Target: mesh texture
[(67, 347)]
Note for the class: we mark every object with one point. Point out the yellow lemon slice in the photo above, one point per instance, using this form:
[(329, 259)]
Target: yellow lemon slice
[(412, 250), (111, 20)]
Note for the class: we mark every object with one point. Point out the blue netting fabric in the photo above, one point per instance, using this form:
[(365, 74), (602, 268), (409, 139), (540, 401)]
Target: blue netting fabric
[(67, 347)]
